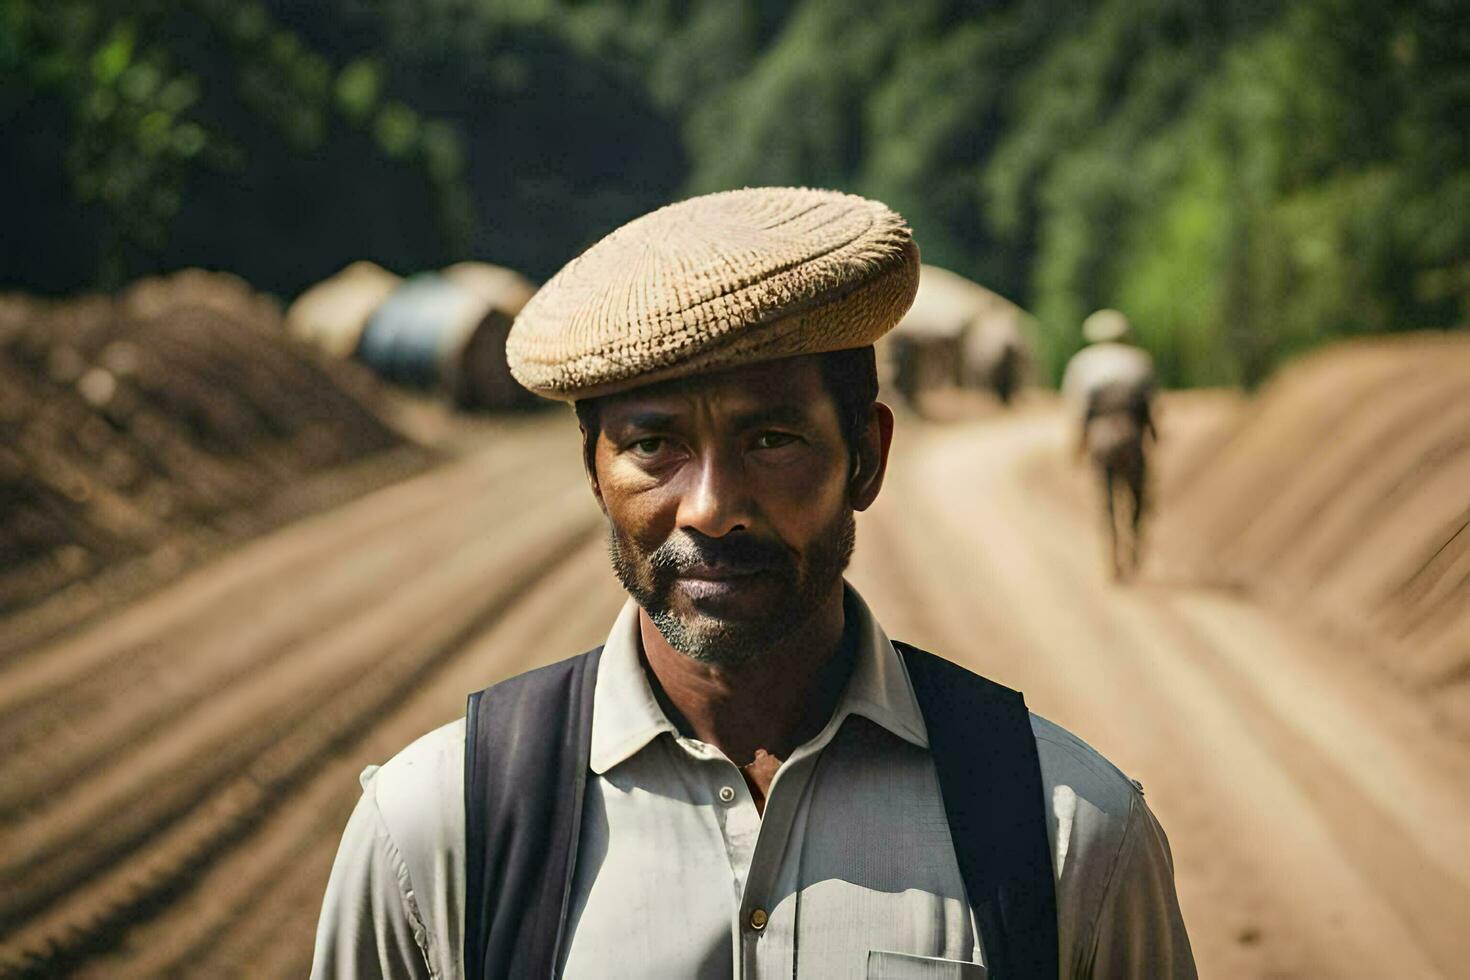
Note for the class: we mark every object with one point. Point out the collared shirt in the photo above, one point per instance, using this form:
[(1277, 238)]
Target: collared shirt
[(850, 872)]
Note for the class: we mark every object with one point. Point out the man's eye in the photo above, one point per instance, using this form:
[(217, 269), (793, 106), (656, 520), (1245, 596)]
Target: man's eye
[(774, 440), (648, 446)]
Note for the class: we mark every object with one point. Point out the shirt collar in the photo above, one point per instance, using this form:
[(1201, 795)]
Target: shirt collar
[(626, 716)]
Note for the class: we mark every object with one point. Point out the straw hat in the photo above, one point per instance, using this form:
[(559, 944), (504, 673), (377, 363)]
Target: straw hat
[(713, 283), (1105, 326)]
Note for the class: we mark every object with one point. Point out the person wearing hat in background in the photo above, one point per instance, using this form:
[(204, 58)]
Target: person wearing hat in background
[(1111, 385), (748, 779)]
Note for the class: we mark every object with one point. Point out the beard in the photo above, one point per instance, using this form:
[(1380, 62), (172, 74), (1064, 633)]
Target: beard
[(800, 586)]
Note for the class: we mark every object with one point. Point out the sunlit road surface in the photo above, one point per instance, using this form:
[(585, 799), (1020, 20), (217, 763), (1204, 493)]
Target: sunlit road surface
[(173, 779)]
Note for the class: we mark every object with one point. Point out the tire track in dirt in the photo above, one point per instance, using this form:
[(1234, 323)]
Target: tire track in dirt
[(139, 693), (83, 823), (110, 868), (1398, 825), (563, 617), (43, 673), (41, 670), (253, 910)]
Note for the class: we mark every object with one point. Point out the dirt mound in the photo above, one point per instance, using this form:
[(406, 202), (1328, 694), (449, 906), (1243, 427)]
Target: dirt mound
[(1343, 490), (134, 429)]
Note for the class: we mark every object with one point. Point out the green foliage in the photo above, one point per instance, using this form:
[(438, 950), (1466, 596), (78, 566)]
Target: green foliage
[(1243, 186), (359, 85), (1243, 179), (133, 78)]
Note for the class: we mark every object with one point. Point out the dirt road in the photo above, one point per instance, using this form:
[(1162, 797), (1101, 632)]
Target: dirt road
[(1317, 821), (173, 779)]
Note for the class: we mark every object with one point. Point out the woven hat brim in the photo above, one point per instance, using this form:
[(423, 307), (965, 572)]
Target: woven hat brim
[(854, 317)]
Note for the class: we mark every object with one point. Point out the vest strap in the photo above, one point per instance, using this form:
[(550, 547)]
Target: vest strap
[(527, 745), (990, 778)]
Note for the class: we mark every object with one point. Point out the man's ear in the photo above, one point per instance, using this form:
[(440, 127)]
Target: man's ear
[(871, 459)]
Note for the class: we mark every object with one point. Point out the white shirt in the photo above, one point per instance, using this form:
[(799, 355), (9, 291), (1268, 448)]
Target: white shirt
[(852, 863), (1113, 374)]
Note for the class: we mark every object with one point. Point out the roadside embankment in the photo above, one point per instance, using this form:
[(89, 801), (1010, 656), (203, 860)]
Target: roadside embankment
[(1342, 492), (140, 431)]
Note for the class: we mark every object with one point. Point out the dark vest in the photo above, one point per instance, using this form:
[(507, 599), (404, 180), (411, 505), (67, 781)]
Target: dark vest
[(527, 744)]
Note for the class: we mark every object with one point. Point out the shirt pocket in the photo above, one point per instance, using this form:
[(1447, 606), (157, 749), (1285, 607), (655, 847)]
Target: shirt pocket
[(884, 965)]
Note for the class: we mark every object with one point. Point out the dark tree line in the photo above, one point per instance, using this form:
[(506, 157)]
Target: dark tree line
[(1244, 179)]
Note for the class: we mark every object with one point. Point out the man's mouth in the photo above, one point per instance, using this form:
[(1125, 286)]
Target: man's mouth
[(719, 583), (721, 573)]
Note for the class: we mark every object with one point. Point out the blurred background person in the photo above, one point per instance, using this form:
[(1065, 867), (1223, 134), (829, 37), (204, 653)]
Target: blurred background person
[(1111, 384)]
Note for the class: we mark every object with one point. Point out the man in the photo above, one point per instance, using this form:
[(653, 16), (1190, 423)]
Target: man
[(1111, 384), (748, 779)]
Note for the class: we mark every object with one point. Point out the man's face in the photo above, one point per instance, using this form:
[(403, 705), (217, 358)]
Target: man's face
[(730, 502)]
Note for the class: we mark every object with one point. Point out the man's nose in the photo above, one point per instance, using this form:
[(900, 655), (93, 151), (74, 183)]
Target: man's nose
[(718, 501)]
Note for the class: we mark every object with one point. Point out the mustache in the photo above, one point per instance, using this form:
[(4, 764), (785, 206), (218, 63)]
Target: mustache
[(737, 552)]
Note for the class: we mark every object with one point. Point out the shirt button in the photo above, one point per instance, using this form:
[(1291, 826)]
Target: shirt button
[(727, 794), (758, 919)]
